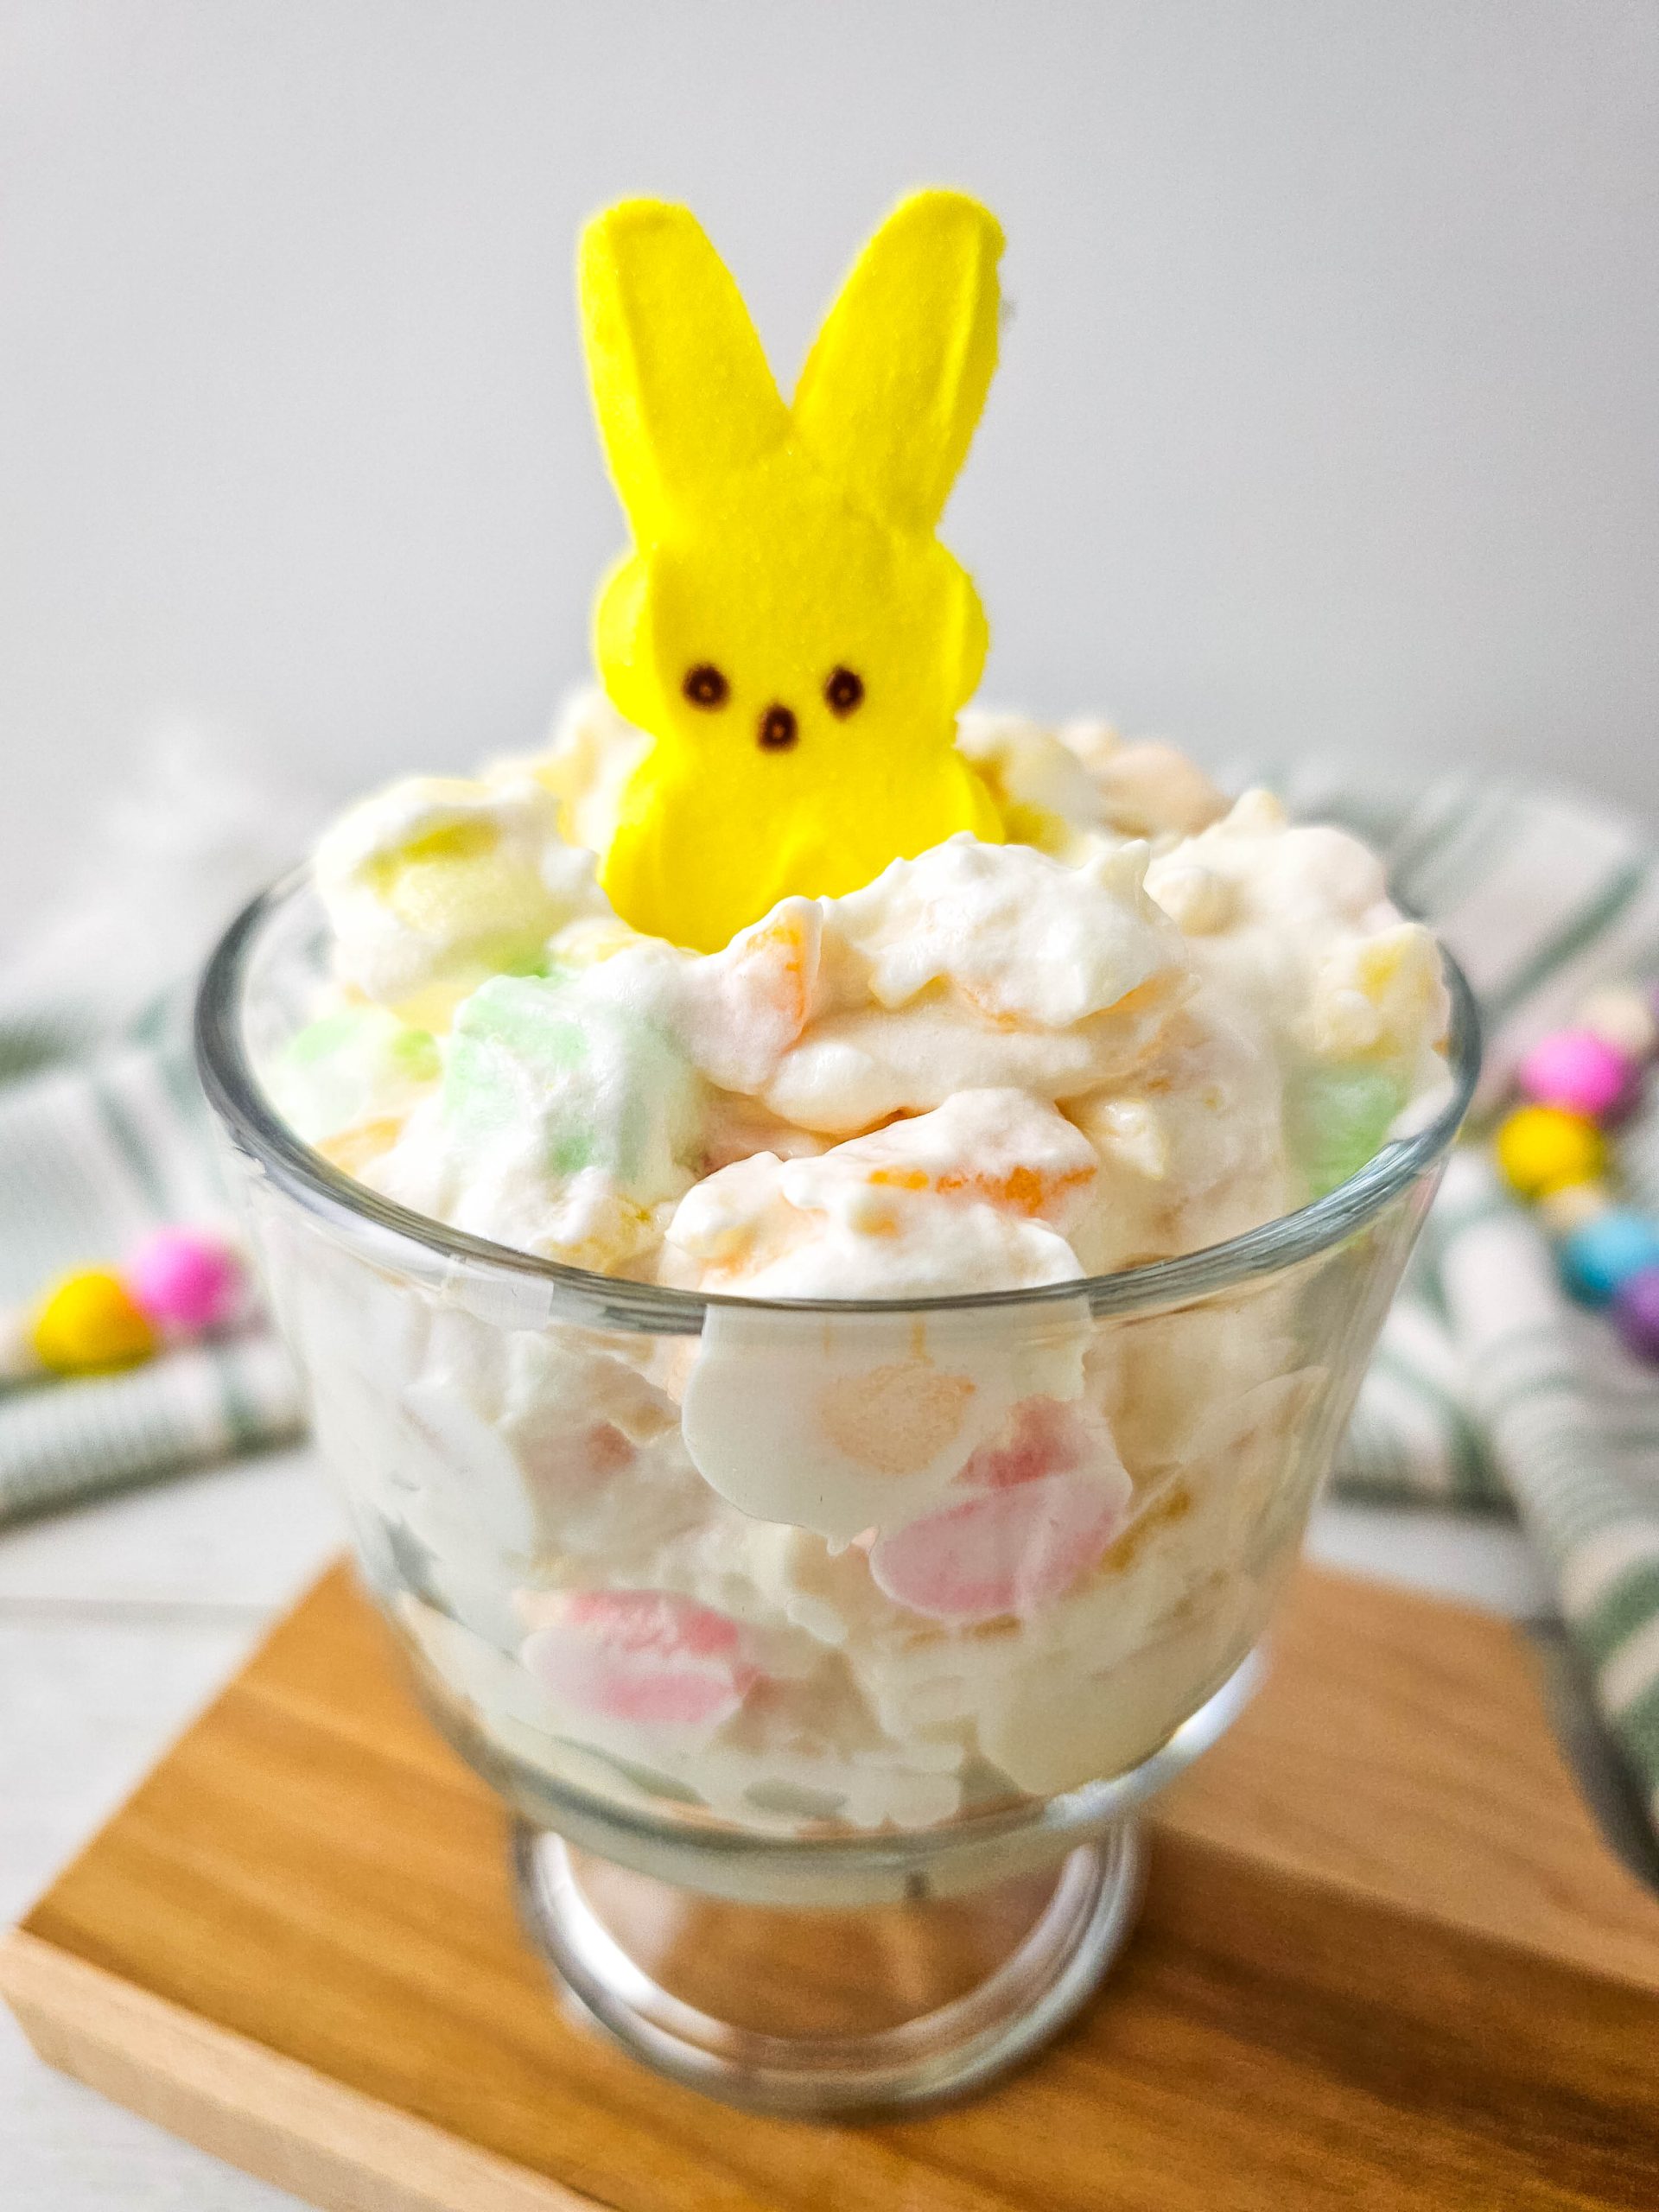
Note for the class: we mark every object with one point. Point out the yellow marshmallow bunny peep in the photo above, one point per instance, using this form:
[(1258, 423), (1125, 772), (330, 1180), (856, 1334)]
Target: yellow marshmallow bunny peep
[(787, 628)]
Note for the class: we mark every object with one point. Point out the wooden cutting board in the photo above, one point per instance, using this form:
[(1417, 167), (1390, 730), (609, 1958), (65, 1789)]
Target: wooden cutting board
[(1385, 1960)]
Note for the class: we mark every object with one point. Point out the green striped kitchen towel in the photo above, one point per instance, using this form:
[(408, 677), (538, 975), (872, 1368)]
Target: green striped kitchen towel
[(102, 1128), (1490, 1389)]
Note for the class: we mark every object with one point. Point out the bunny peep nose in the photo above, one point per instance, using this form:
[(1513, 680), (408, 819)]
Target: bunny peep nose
[(787, 629)]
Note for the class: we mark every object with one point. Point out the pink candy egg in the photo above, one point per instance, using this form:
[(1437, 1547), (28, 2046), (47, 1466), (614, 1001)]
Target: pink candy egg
[(1579, 1071), (184, 1281), (640, 1656), (1008, 1550)]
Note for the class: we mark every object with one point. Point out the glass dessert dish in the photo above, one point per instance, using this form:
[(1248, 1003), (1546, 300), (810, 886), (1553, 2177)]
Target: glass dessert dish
[(838, 1811)]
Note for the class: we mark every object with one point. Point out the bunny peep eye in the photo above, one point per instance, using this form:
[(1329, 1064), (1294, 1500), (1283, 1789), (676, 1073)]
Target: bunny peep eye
[(704, 685), (843, 690)]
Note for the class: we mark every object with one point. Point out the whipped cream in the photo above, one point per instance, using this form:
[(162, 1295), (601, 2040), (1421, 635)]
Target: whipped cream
[(890, 1561)]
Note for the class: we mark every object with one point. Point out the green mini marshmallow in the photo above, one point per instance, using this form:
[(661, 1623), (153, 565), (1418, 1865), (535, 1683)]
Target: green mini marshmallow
[(1339, 1118), (359, 1065), (603, 1087)]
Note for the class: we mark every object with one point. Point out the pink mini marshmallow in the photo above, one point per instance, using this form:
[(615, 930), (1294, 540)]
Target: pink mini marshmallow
[(640, 1656), (1045, 1498), (1008, 1550), (1042, 1437)]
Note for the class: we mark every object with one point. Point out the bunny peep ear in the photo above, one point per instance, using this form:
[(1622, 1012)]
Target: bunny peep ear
[(893, 385), (681, 386)]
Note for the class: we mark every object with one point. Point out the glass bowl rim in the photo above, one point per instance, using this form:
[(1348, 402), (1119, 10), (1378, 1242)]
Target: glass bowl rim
[(238, 1099)]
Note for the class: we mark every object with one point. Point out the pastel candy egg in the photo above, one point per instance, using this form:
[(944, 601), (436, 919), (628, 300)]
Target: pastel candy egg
[(1601, 1254), (1543, 1148), (1636, 1310), (185, 1283), (643, 1657), (90, 1321), (1578, 1070)]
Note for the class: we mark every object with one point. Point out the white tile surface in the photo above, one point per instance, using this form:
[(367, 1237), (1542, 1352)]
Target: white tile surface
[(117, 1623)]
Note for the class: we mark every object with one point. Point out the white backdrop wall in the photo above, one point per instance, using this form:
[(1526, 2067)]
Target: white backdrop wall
[(1329, 414)]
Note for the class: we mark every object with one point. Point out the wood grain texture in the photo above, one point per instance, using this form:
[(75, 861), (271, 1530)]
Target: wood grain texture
[(1385, 1961)]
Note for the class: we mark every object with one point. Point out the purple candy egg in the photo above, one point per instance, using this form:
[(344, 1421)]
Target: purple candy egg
[(185, 1283), (1581, 1071), (1636, 1310)]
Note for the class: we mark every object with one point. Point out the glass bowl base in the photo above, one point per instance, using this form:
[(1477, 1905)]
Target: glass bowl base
[(814, 2011)]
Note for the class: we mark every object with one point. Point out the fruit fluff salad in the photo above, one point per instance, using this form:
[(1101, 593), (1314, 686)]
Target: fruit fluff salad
[(846, 1569)]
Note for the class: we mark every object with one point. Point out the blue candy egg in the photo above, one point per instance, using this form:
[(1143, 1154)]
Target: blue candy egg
[(1602, 1255)]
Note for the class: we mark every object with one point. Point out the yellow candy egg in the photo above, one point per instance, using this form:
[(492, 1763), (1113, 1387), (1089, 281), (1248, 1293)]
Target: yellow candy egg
[(1545, 1149), (88, 1322)]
